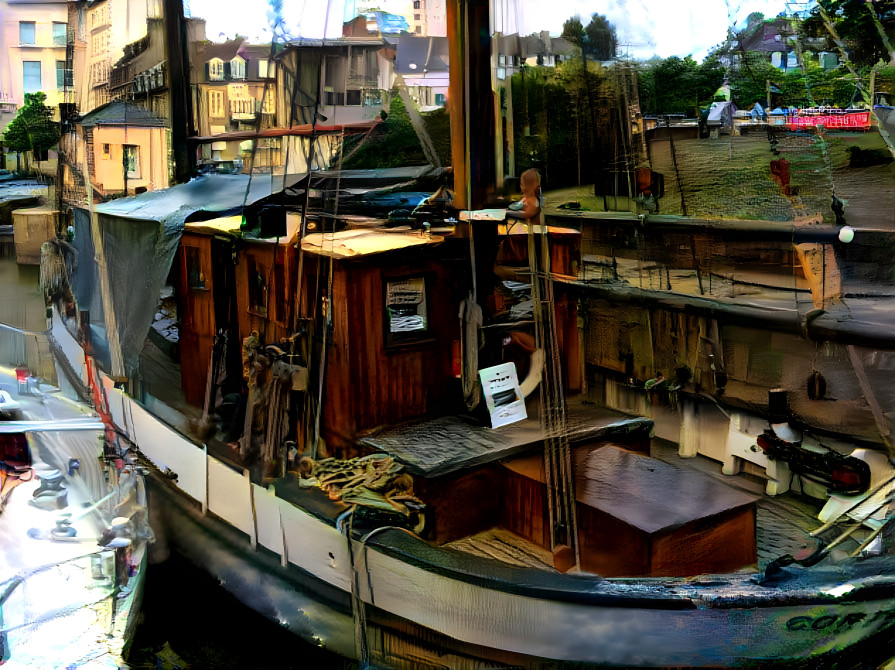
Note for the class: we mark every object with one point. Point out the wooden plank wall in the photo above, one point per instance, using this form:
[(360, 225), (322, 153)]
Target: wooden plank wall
[(369, 383), (278, 321)]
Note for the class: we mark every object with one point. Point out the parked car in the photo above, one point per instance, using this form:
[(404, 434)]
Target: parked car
[(10, 409)]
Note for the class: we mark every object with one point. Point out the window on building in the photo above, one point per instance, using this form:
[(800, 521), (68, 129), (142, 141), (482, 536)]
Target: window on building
[(238, 68), (406, 309), (60, 74), (334, 98), (416, 4), (59, 34), (265, 69), (419, 30), (107, 151), (215, 69), (26, 32), (31, 76), (132, 161), (416, 17), (353, 97), (216, 104)]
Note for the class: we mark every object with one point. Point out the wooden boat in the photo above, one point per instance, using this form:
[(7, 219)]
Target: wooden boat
[(569, 537), (74, 532)]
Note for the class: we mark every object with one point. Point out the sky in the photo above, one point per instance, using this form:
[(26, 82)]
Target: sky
[(644, 27)]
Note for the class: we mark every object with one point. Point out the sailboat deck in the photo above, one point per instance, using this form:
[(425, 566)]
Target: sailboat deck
[(437, 447)]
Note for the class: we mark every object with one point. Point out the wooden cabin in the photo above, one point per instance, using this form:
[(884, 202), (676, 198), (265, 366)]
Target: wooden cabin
[(392, 324)]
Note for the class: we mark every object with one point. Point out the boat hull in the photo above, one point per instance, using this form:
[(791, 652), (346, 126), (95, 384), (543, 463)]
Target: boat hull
[(471, 617)]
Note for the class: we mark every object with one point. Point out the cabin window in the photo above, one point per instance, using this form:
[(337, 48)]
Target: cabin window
[(257, 280), (406, 308), (195, 277)]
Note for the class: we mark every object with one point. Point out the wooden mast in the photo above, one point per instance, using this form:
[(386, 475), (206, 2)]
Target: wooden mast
[(470, 102)]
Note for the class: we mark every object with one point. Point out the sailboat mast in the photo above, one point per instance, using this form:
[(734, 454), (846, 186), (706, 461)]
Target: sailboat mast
[(471, 102)]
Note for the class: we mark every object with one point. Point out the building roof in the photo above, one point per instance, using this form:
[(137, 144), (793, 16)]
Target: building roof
[(226, 51), (120, 114)]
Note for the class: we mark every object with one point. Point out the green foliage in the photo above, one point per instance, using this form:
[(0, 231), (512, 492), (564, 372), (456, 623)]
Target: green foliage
[(749, 79), (675, 85), (393, 144), (800, 87), (33, 128), (573, 31), (602, 41), (597, 39), (438, 125), (565, 122), (857, 22)]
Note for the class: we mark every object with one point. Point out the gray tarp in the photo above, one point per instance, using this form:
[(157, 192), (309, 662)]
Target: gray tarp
[(140, 238)]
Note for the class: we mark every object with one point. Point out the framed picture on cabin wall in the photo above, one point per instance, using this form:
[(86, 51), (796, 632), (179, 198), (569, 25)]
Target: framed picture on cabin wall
[(406, 310)]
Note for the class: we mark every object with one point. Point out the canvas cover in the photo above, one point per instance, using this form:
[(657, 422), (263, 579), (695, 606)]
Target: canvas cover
[(140, 237)]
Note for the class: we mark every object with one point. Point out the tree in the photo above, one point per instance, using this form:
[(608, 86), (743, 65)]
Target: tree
[(676, 85), (858, 24), (573, 31), (33, 128), (601, 41), (597, 39)]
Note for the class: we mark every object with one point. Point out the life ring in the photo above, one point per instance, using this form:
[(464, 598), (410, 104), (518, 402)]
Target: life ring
[(535, 373)]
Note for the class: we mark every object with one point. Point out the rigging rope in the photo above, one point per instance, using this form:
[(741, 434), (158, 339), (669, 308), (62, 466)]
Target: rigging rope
[(553, 414)]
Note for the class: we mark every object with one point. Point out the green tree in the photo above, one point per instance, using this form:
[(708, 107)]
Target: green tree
[(573, 31), (858, 23), (749, 77), (597, 39), (33, 128), (602, 41), (393, 144), (679, 85)]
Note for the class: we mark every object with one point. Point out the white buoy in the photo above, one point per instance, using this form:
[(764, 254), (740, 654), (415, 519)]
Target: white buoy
[(846, 234)]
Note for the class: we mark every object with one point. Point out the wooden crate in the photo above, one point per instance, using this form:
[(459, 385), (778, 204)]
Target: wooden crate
[(638, 516)]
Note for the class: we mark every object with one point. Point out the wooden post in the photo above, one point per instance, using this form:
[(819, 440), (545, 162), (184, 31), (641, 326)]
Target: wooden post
[(178, 86)]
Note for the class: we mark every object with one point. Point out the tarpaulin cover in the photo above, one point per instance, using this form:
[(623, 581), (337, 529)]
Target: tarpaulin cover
[(140, 238)]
